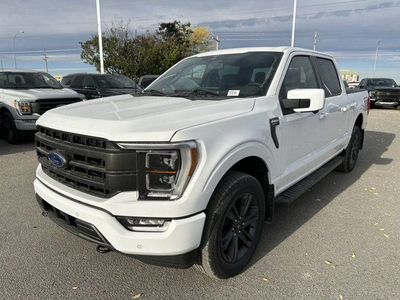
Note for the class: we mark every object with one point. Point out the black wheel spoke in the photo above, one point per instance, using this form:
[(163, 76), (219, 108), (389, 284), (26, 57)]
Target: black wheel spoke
[(226, 241), (246, 238), (247, 202), (234, 249), (251, 218)]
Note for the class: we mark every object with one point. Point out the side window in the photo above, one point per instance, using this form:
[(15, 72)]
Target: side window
[(300, 75), (329, 77), (3, 80), (89, 82), (77, 82), (66, 81)]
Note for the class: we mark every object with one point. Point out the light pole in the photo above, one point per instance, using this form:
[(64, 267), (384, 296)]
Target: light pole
[(100, 37), (294, 22), (376, 56), (15, 58), (217, 40)]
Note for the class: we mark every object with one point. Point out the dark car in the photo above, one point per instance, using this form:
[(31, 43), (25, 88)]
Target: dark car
[(146, 80), (382, 91), (100, 85)]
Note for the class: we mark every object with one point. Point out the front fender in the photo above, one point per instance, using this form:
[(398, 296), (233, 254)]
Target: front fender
[(238, 153)]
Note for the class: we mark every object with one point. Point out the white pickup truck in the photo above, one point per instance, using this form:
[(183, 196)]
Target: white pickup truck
[(25, 95), (188, 171)]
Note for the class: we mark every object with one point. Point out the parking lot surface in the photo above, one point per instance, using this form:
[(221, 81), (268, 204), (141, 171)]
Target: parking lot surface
[(340, 240)]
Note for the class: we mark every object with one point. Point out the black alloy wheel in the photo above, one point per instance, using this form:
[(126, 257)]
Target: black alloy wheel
[(233, 227), (238, 228), (10, 130)]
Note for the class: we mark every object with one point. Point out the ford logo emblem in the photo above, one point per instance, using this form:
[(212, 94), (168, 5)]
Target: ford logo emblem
[(57, 159)]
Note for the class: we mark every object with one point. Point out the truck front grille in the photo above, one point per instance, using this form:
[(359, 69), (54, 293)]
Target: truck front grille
[(94, 166), (42, 105)]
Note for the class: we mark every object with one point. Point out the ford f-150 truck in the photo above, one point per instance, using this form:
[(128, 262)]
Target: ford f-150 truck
[(383, 92), (25, 95), (188, 171)]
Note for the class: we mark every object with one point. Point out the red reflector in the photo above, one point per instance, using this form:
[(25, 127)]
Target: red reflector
[(368, 103)]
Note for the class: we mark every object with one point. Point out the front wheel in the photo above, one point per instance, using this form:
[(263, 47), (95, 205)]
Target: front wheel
[(233, 226), (11, 132), (351, 153)]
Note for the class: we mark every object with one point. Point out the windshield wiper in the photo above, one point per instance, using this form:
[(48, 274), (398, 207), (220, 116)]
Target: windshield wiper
[(154, 92), (195, 92)]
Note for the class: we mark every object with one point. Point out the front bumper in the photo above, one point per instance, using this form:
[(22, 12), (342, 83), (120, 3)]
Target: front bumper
[(26, 124), (384, 102), (182, 236)]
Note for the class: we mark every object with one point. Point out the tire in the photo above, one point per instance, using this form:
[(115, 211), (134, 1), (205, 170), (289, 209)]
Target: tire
[(396, 106), (228, 246), (351, 153), (12, 135), (372, 105)]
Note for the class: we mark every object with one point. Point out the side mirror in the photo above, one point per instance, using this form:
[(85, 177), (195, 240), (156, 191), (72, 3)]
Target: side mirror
[(310, 100)]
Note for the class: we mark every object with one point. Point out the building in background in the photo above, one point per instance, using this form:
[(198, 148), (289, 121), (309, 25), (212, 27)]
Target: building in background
[(350, 76)]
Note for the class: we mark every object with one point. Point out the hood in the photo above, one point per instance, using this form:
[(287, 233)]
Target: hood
[(127, 118), (34, 94)]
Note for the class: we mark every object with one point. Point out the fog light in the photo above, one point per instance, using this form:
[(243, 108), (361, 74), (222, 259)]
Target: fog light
[(144, 224)]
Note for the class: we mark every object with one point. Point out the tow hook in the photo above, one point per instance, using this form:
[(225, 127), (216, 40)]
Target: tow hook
[(45, 213), (102, 249)]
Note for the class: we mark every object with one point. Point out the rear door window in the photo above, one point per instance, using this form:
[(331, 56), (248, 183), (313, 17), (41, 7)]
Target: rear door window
[(329, 77), (77, 82)]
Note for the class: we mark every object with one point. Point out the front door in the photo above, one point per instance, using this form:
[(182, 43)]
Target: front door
[(301, 137)]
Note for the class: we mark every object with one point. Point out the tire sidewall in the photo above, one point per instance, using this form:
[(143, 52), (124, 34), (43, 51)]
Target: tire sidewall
[(14, 138), (349, 165), (248, 185)]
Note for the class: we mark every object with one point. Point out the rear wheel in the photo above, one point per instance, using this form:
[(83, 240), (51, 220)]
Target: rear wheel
[(352, 151), (233, 226)]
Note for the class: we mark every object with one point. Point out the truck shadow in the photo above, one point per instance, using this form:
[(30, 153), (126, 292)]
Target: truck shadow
[(27, 144), (288, 220)]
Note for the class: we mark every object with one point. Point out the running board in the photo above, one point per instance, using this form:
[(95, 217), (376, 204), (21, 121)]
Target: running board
[(287, 197)]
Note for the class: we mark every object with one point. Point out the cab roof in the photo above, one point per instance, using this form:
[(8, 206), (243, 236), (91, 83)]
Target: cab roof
[(283, 49)]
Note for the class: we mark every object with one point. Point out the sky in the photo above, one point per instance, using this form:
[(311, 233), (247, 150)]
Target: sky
[(348, 29)]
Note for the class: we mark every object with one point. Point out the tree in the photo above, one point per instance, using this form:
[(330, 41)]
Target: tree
[(150, 53)]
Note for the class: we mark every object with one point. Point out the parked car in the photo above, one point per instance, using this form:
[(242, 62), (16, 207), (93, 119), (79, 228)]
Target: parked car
[(27, 94), (146, 80), (100, 85), (188, 171), (382, 91)]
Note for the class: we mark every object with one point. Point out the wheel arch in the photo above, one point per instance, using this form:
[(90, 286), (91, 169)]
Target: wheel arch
[(253, 162)]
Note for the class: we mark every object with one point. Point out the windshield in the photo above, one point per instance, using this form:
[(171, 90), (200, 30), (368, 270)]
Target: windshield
[(382, 83), (28, 80), (229, 75), (115, 82)]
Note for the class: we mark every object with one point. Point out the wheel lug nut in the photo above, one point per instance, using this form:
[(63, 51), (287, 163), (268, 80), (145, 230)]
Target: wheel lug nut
[(234, 234), (243, 224), (240, 231)]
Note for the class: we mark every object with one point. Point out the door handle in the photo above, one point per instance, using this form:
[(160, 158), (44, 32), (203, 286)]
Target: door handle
[(323, 115), (353, 105)]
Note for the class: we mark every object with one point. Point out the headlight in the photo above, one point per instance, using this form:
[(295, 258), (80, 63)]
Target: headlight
[(372, 93), (164, 170), (23, 107)]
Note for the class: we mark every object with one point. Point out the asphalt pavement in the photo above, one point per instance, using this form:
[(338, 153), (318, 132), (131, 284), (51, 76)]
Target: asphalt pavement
[(340, 240)]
